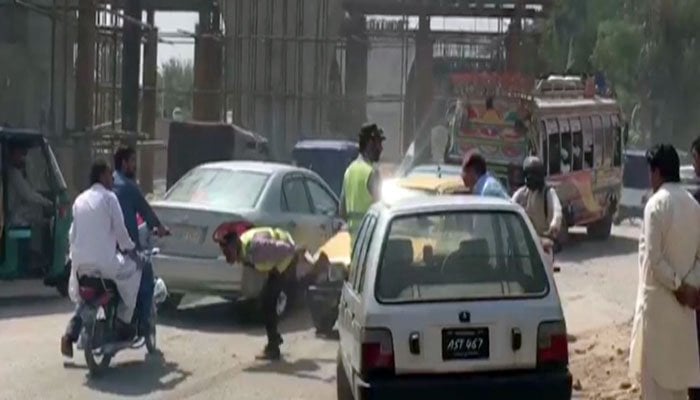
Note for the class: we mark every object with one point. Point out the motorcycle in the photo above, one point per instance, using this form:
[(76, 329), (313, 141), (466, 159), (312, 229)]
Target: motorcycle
[(98, 338)]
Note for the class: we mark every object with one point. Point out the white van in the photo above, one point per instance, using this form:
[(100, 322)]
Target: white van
[(451, 296)]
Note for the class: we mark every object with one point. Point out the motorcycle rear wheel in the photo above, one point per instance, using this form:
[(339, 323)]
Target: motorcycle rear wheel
[(95, 339), (151, 341)]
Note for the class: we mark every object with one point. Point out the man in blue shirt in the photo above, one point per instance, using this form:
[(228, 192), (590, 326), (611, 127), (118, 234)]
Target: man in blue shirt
[(133, 202), (478, 180)]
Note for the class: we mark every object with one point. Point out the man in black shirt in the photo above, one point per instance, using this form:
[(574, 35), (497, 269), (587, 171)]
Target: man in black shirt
[(694, 393)]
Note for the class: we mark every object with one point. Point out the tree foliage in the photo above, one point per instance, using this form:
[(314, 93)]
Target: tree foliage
[(175, 85), (648, 49)]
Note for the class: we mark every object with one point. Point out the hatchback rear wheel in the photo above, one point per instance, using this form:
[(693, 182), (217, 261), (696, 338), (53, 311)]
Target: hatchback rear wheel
[(343, 389)]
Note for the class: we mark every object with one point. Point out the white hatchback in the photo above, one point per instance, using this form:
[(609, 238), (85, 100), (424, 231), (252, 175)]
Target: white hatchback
[(451, 296)]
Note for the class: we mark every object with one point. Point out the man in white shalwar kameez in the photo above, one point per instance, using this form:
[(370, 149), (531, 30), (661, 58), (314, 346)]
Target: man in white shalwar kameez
[(664, 345), (97, 230)]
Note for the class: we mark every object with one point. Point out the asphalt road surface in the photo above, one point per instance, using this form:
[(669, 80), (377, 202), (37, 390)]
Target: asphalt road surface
[(208, 352)]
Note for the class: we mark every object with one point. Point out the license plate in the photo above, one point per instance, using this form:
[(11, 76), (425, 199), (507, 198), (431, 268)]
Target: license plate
[(465, 344), (188, 233)]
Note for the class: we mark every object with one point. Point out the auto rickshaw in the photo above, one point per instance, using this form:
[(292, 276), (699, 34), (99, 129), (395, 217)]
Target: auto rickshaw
[(328, 158), (33, 238)]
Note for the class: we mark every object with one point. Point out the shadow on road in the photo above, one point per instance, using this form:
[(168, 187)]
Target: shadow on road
[(33, 306), (225, 317), (580, 248), (303, 368), (139, 378)]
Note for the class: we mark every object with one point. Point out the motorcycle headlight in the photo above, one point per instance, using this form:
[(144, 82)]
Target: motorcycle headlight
[(336, 273)]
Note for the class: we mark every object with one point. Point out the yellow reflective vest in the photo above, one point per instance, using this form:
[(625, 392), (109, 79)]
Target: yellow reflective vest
[(273, 233), (358, 198)]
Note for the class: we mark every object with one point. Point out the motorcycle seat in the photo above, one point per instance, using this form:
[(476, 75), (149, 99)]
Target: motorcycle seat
[(92, 288)]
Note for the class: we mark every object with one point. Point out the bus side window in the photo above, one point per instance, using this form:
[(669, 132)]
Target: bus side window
[(617, 154), (566, 148), (588, 148), (544, 149), (608, 139), (598, 141), (577, 134), (554, 149)]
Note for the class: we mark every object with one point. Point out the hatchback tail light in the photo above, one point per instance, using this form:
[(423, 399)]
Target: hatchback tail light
[(552, 345), (377, 356)]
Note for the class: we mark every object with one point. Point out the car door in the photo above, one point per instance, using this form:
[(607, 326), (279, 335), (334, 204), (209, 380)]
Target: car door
[(325, 206), (297, 212), (350, 312)]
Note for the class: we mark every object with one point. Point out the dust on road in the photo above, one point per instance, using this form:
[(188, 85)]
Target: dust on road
[(209, 352)]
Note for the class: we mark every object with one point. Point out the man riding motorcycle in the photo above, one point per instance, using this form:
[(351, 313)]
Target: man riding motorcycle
[(133, 202), (540, 201), (96, 232)]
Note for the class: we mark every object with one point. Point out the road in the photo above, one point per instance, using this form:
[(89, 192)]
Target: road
[(209, 353)]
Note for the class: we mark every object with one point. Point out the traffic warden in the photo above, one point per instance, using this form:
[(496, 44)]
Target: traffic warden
[(270, 251), (362, 182)]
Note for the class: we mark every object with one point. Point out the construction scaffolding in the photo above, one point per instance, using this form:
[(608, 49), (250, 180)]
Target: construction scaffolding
[(320, 68), (286, 69)]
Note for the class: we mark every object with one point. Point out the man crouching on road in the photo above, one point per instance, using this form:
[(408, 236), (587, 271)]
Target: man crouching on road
[(270, 251)]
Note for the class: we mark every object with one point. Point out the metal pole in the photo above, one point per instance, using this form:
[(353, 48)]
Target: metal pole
[(85, 67), (148, 107), (52, 89), (131, 62)]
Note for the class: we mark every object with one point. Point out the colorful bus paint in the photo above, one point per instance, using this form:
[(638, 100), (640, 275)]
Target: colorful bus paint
[(507, 117)]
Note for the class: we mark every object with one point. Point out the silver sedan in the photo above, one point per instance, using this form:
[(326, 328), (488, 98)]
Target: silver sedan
[(265, 194)]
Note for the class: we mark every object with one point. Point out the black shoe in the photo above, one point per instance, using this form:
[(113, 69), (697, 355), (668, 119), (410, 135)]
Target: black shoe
[(270, 353), (67, 346)]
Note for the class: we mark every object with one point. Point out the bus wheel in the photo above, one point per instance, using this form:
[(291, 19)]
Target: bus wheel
[(600, 230)]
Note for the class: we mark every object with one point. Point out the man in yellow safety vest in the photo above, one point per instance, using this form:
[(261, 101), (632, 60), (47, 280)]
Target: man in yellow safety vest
[(270, 251), (362, 183)]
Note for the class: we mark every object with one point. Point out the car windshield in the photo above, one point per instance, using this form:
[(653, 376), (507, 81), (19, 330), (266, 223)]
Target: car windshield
[(457, 256), (219, 188)]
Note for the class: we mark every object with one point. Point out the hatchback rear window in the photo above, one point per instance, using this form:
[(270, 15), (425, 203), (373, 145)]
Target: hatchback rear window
[(219, 188), (457, 256)]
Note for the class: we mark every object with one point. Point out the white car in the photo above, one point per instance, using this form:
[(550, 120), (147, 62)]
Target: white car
[(450, 296)]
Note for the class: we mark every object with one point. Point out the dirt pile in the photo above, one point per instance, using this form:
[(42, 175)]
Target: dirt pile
[(598, 362)]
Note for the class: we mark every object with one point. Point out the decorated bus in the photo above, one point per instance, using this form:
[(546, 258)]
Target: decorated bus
[(578, 136)]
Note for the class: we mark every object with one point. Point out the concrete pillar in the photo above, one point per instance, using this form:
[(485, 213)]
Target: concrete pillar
[(514, 38), (131, 62), (423, 75), (208, 67), (85, 67), (356, 53), (148, 106), (84, 92)]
